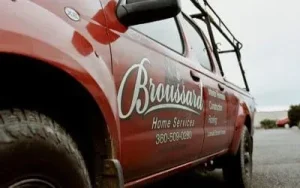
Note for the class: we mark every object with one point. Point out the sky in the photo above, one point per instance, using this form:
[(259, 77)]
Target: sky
[(269, 31)]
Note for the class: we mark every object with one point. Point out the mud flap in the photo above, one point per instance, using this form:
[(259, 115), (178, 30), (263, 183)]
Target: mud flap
[(112, 174)]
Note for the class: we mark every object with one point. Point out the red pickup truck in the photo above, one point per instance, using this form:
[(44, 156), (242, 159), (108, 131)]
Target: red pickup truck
[(108, 93)]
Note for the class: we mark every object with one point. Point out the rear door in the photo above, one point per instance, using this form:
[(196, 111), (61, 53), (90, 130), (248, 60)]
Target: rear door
[(160, 101), (216, 125)]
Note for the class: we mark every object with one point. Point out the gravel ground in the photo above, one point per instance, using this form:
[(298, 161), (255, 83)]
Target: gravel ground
[(276, 164)]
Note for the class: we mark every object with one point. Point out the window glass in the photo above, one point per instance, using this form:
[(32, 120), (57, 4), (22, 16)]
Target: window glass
[(196, 44), (188, 7), (165, 32), (231, 69)]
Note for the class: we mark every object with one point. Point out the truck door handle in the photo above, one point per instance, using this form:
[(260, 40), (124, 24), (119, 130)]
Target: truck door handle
[(221, 87), (195, 76)]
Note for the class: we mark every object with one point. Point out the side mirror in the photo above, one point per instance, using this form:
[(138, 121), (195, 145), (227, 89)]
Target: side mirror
[(136, 12)]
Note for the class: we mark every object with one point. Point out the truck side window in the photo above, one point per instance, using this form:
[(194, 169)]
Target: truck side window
[(165, 32), (197, 46)]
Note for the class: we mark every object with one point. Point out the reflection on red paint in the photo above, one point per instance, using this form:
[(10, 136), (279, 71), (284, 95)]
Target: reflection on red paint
[(98, 31), (81, 44), (112, 20)]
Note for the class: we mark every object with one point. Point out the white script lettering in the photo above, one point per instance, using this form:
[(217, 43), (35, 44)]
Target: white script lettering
[(156, 96)]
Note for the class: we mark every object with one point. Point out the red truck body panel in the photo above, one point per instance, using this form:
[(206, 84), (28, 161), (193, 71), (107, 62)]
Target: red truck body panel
[(48, 34), (128, 75)]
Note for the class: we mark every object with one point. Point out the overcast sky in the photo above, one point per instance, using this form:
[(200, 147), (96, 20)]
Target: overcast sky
[(269, 30)]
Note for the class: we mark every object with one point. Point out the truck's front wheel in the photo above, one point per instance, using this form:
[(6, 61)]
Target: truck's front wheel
[(36, 152), (237, 170)]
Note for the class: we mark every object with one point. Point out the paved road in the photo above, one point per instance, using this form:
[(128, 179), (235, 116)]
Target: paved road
[(276, 164)]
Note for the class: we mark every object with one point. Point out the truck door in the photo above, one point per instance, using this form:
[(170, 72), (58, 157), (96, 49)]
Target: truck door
[(159, 101), (216, 137)]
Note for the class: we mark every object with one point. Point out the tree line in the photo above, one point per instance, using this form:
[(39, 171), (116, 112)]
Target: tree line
[(293, 118), (294, 115)]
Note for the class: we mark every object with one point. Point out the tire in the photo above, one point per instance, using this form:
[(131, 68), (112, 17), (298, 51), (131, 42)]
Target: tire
[(36, 152), (237, 170)]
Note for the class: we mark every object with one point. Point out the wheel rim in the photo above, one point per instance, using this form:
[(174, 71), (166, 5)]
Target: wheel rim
[(32, 183), (247, 159), (247, 162)]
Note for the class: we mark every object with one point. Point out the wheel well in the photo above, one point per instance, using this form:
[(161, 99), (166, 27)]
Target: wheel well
[(30, 84), (248, 123)]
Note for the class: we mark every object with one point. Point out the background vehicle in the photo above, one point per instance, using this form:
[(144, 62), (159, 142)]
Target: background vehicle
[(283, 122), (107, 93)]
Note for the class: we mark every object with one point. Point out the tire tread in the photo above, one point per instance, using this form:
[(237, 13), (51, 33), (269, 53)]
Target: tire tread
[(17, 125), (232, 170)]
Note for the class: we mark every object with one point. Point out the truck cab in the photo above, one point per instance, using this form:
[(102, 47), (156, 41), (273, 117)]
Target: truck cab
[(132, 91)]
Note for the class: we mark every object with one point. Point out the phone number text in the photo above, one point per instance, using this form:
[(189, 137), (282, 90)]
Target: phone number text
[(163, 138)]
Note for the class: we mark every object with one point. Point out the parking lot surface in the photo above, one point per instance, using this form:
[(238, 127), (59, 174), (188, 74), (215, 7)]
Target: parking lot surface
[(276, 164)]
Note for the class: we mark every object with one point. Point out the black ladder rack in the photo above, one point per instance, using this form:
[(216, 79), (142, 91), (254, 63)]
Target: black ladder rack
[(226, 33)]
